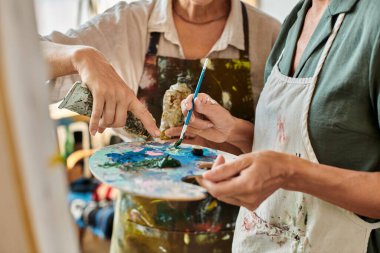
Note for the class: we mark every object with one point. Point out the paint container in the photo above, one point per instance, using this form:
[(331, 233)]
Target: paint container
[(197, 151), (171, 105), (171, 226)]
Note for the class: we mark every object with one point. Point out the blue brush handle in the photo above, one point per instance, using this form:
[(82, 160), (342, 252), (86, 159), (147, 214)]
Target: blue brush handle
[(188, 116)]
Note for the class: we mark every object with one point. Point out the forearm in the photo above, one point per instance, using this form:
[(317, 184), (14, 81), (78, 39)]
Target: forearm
[(60, 58), (241, 135), (352, 190)]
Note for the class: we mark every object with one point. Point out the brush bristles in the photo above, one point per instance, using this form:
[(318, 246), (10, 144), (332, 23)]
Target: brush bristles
[(178, 142)]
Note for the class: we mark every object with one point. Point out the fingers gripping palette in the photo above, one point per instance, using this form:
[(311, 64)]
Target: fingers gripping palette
[(153, 169)]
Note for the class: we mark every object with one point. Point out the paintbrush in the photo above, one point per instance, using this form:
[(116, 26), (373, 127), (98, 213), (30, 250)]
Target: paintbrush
[(184, 128)]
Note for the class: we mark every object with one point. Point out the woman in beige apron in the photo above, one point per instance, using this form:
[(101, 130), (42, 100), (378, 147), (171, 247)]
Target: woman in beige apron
[(282, 220), (290, 221)]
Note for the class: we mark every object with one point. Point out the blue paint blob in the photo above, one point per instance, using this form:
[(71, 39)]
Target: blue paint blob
[(183, 154)]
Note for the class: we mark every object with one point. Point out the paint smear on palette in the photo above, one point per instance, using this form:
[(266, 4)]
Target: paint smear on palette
[(136, 168)]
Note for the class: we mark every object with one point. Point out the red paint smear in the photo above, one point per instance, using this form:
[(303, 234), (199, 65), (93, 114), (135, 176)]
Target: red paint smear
[(282, 138)]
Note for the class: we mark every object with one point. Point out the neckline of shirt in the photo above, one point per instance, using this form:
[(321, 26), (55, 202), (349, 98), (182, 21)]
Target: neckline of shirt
[(161, 20)]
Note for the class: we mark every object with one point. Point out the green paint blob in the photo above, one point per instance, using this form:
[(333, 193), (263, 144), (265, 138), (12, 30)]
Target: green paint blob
[(168, 162), (160, 162)]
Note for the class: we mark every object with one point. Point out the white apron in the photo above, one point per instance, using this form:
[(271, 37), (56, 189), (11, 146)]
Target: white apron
[(291, 221)]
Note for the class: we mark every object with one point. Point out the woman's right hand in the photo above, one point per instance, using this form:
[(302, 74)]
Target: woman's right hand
[(209, 120), (112, 96)]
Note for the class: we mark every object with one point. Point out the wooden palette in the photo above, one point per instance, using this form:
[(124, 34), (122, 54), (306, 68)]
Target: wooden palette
[(118, 166)]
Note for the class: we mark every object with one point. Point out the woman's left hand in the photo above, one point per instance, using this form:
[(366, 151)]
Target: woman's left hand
[(249, 179)]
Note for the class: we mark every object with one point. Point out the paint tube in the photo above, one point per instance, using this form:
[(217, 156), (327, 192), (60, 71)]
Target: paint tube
[(79, 99)]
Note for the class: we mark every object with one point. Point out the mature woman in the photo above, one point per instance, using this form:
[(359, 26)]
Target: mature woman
[(140, 48), (311, 183)]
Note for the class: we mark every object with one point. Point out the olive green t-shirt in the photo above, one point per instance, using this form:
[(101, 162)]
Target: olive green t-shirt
[(344, 117)]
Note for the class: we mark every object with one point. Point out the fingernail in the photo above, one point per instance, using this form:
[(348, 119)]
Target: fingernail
[(210, 125), (157, 133), (93, 132)]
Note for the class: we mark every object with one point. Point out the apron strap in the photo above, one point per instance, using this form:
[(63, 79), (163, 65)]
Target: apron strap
[(153, 43), (305, 133), (279, 58), (328, 45), (326, 49), (244, 54), (374, 225)]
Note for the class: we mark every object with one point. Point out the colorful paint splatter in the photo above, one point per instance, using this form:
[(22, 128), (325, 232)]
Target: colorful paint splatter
[(141, 168)]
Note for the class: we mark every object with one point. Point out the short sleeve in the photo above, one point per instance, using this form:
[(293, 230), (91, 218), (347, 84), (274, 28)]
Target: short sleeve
[(119, 34)]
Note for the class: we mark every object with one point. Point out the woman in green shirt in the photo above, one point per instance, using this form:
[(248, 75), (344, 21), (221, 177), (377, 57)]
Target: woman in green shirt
[(311, 183)]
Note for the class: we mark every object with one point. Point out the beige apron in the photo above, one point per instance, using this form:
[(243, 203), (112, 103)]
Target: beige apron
[(293, 221)]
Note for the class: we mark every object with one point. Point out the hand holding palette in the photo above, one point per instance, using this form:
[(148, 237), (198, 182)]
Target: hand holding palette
[(153, 169)]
